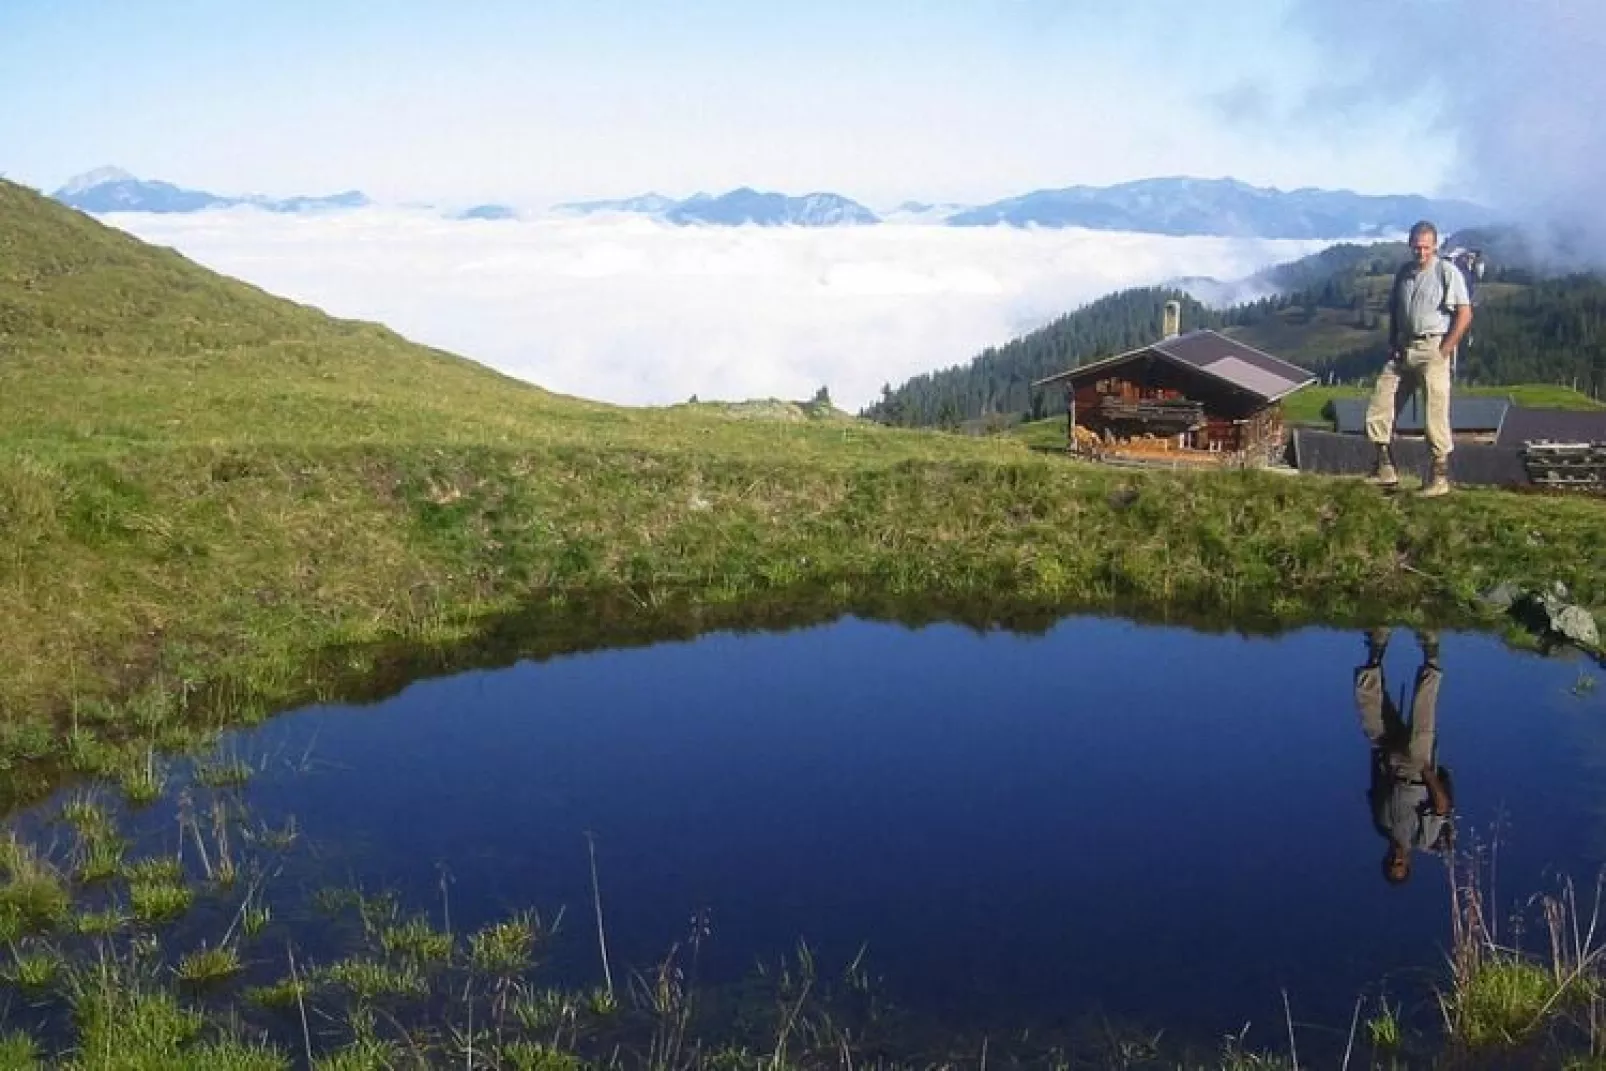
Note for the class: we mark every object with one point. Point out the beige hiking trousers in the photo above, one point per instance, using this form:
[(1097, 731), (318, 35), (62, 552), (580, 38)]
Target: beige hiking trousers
[(1409, 748), (1423, 366)]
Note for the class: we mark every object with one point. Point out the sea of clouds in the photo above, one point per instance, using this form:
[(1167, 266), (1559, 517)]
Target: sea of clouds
[(629, 310)]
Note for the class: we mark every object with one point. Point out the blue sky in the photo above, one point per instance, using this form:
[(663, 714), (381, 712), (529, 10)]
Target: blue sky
[(936, 99)]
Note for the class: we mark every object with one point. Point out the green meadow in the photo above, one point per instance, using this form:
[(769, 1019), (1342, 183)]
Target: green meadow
[(214, 498), (1309, 406)]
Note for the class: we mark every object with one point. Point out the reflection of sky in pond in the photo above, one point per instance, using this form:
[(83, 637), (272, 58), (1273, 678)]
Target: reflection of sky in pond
[(1150, 821)]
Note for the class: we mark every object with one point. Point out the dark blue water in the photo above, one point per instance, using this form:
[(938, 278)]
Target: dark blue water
[(1148, 823)]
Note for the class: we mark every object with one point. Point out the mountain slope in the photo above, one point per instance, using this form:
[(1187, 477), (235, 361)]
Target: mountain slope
[(98, 327)]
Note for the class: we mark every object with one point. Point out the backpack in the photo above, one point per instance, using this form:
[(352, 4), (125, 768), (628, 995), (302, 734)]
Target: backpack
[(1469, 262)]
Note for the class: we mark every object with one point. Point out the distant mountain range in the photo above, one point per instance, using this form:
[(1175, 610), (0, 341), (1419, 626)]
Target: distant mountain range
[(1175, 206), (739, 207), (1190, 206), (923, 212), (111, 189), (493, 212), (648, 204)]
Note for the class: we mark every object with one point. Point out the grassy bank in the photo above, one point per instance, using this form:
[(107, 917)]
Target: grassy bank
[(209, 492), (195, 563)]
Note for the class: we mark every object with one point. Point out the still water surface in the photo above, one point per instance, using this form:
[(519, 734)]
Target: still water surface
[(1142, 822)]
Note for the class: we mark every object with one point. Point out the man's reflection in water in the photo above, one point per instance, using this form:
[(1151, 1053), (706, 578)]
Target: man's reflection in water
[(1410, 793)]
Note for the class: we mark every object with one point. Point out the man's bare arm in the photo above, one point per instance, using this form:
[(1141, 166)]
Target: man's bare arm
[(1436, 793), (1458, 330)]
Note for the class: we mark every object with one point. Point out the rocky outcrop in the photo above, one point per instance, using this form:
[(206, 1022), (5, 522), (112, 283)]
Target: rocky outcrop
[(1548, 612)]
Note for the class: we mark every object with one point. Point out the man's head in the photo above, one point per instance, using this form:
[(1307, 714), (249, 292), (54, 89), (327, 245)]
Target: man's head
[(1424, 242), (1396, 864)]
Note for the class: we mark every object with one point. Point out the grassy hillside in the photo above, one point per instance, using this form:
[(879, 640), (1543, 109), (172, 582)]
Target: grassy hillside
[(212, 499), (1311, 336)]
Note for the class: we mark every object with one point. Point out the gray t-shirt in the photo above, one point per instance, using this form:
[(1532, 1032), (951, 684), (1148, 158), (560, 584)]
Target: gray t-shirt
[(1405, 815), (1424, 299)]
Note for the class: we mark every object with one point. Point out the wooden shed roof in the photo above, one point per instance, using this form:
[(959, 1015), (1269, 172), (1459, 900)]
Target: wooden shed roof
[(1523, 425), (1217, 356)]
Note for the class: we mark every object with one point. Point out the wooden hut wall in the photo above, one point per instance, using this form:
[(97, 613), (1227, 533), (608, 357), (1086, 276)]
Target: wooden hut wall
[(1260, 432), (1140, 379), (1150, 378), (1146, 378)]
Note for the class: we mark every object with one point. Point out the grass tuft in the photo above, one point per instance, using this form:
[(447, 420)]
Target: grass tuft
[(143, 780), (230, 773), (363, 1054), (417, 940), (33, 896), (285, 993), (18, 1052), (505, 948), (154, 902), (255, 918), (33, 968), (87, 815), (538, 1011), (87, 753), (1383, 1028), (100, 858), (208, 966), (369, 979), (120, 1013), (1504, 1000), (101, 923), (533, 1056), (153, 869), (231, 1055)]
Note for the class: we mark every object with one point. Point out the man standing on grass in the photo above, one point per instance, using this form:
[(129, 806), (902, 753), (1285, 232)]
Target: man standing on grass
[(1429, 312)]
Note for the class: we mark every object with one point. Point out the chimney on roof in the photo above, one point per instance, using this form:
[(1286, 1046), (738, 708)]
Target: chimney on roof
[(1173, 320)]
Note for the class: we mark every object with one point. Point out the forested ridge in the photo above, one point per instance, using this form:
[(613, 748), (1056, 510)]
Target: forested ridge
[(1328, 315), (998, 381)]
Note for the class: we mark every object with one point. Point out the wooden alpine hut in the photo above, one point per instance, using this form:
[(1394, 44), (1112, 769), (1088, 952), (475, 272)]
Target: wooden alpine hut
[(1199, 397)]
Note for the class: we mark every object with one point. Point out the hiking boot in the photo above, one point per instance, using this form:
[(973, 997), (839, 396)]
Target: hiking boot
[(1383, 472), (1438, 480)]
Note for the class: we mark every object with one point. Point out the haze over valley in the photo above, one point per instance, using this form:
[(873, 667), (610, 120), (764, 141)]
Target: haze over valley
[(632, 311)]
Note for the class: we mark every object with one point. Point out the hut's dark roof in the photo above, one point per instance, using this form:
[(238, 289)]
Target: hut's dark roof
[(1554, 425), (1468, 413), (1250, 370), (1351, 455)]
